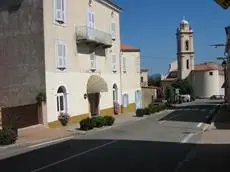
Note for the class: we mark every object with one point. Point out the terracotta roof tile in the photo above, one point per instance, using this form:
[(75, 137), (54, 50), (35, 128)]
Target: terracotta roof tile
[(129, 48), (205, 67)]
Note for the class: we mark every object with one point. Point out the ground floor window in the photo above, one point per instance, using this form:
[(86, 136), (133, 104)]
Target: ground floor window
[(125, 100), (61, 99)]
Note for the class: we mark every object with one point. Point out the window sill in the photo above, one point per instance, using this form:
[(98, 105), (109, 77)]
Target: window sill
[(61, 68), (64, 24)]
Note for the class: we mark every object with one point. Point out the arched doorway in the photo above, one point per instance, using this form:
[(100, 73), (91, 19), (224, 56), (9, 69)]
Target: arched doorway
[(115, 93), (95, 86), (62, 100)]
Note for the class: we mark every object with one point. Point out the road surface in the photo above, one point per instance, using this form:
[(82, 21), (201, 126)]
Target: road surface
[(160, 143)]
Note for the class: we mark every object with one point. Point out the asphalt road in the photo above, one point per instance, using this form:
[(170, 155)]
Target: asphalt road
[(158, 144)]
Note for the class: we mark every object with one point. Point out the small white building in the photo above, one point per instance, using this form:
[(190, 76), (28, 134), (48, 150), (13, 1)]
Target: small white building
[(206, 79)]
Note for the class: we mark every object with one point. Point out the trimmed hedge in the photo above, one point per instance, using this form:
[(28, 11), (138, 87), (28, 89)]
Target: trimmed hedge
[(150, 110), (7, 136), (96, 122)]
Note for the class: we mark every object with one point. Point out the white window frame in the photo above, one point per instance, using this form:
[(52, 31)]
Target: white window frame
[(61, 57), (93, 62), (60, 14), (59, 95), (113, 30), (124, 64), (114, 63)]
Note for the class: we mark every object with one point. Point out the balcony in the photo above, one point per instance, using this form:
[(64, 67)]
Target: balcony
[(85, 34)]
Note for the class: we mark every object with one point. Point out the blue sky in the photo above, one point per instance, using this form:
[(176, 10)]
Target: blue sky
[(151, 26)]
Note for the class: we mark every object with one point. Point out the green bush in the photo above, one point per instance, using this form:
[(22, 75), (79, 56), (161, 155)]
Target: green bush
[(86, 124), (147, 111), (156, 108), (140, 112), (109, 120), (98, 121), (7, 136)]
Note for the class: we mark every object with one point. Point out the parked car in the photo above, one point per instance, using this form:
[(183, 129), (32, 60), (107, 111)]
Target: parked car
[(217, 97), (185, 98)]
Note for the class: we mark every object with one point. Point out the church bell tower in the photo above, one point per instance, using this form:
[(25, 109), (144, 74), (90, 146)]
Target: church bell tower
[(185, 50)]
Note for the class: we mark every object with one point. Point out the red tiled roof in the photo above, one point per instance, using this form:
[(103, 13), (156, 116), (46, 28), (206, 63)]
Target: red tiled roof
[(205, 67), (129, 48)]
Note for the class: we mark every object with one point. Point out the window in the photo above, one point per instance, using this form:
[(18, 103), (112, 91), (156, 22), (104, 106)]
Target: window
[(125, 100), (113, 30), (187, 64), (61, 51), (61, 99), (142, 79), (114, 69), (124, 64), (187, 45), (210, 73), (60, 11), (93, 61)]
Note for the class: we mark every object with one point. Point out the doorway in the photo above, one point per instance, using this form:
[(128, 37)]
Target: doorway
[(94, 99)]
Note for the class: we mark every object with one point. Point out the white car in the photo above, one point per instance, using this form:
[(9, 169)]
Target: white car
[(185, 97)]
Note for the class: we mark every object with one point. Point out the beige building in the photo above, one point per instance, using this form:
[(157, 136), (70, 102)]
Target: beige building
[(144, 77), (206, 79), (71, 51)]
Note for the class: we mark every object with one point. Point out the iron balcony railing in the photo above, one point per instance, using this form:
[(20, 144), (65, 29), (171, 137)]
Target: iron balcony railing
[(85, 33)]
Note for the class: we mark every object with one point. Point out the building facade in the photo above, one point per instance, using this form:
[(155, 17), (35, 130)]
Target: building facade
[(70, 51), (206, 79)]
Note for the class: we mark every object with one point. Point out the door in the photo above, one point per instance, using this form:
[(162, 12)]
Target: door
[(138, 99), (94, 100)]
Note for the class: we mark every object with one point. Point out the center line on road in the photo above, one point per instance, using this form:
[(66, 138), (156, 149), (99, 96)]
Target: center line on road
[(200, 124), (186, 139), (74, 156)]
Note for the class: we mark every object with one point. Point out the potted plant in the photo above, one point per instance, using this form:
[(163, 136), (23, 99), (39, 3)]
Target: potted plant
[(116, 108), (63, 118)]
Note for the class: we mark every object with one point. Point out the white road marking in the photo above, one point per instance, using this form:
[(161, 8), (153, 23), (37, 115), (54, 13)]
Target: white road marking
[(205, 127), (199, 125), (49, 142), (186, 139), (74, 156)]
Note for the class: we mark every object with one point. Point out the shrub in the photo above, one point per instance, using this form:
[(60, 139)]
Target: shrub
[(63, 118), (109, 120), (147, 111), (86, 124), (139, 112), (156, 108), (98, 121), (7, 136)]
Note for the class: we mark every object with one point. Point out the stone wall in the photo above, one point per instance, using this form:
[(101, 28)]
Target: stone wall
[(22, 70)]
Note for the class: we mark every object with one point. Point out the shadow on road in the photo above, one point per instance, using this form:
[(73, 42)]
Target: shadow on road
[(122, 156), (191, 113), (222, 120)]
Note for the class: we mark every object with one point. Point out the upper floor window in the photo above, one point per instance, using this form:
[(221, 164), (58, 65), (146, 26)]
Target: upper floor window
[(60, 11), (114, 63), (124, 64), (113, 30), (186, 45), (92, 61), (61, 52), (91, 19), (187, 64), (142, 79)]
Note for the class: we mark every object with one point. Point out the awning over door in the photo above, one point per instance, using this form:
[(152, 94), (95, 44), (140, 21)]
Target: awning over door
[(96, 84)]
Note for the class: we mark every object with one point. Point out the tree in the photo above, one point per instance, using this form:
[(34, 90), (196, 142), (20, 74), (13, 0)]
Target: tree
[(154, 80), (184, 86), (169, 94)]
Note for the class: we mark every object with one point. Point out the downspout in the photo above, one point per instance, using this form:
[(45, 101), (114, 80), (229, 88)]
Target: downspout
[(120, 55)]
